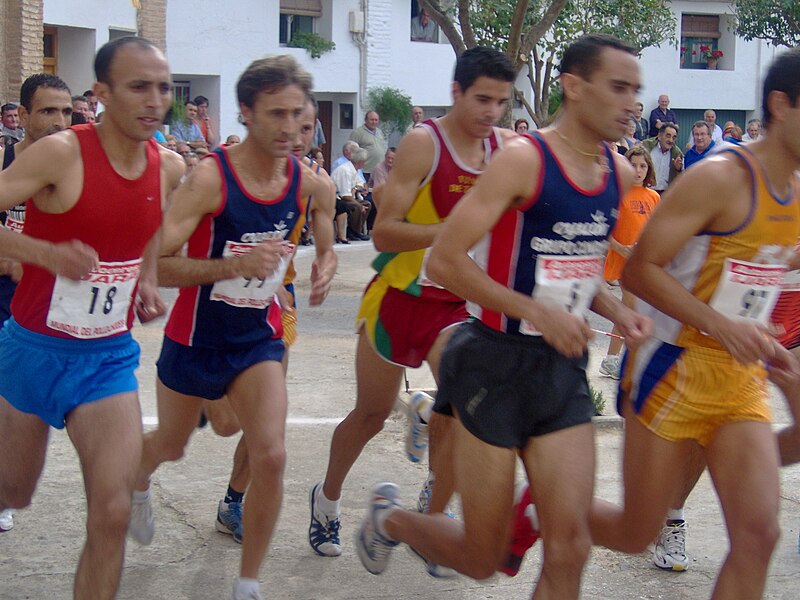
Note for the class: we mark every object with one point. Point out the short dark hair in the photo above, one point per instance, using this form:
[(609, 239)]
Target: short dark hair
[(33, 83), (312, 100), (783, 75), (88, 93), (105, 56), (669, 125), (582, 57), (269, 75), (192, 102), (78, 119), (701, 124), (518, 121), (482, 62), (8, 107), (198, 100), (80, 99)]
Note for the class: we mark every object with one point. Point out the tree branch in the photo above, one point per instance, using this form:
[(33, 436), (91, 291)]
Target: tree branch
[(465, 21), (521, 97), (515, 34), (539, 29)]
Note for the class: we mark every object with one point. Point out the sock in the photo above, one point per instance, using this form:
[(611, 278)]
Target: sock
[(675, 514), (533, 517), (327, 506), (233, 496), (141, 497), (380, 521), (243, 585), (426, 412)]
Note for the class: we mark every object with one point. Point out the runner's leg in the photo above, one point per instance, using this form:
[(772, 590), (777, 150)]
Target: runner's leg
[(23, 446)]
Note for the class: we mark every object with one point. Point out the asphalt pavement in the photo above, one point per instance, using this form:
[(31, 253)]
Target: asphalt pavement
[(189, 560)]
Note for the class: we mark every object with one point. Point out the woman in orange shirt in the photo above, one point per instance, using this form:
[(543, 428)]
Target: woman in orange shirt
[(634, 210)]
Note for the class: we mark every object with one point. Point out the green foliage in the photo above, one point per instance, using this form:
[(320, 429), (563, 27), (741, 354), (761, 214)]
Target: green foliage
[(776, 21), (177, 111), (393, 106), (598, 401), (315, 44)]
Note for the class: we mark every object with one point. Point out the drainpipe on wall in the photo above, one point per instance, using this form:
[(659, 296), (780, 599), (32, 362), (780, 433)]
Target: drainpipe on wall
[(360, 39)]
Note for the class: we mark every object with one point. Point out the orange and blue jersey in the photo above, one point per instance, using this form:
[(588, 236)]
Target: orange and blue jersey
[(237, 312), (446, 183), (553, 247)]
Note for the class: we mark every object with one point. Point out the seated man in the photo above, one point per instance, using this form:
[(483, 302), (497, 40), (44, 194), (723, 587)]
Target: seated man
[(349, 188)]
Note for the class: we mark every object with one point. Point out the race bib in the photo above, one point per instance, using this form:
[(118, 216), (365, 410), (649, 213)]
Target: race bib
[(15, 219), (791, 281), (96, 306), (748, 291), (244, 292), (423, 278), (570, 282)]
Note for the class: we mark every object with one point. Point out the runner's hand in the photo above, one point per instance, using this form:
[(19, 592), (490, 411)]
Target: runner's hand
[(568, 334), (72, 259), (747, 343), (320, 284), (262, 260), (634, 327), (149, 304)]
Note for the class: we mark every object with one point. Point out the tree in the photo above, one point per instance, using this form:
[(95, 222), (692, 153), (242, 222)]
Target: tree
[(393, 107), (534, 34), (776, 21)]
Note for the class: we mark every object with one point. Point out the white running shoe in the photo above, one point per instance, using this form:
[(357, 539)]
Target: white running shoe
[(7, 519), (143, 524), (246, 591), (610, 366), (417, 432), (669, 552), (372, 547), (323, 532)]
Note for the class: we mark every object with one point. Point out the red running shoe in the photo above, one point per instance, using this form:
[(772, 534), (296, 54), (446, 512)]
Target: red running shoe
[(523, 535)]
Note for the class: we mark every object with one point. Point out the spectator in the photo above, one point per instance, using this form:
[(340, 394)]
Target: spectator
[(521, 126), (319, 135), (232, 139), (628, 140), (347, 152), (188, 130), (349, 188), (417, 117), (753, 130), (661, 114), (381, 172), (80, 104), (666, 156), (91, 118), (316, 154), (12, 132), (642, 125), (710, 117), (204, 121), (77, 118), (172, 143), (92, 99), (182, 148), (732, 134), (703, 144), (370, 138), (423, 29)]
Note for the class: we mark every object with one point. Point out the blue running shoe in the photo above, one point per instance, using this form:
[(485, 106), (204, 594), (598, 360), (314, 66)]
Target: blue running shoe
[(417, 432), (229, 520), (323, 533), (372, 547), (433, 569)]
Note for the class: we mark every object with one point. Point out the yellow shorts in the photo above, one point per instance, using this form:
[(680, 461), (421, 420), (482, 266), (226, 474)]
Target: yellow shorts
[(689, 393)]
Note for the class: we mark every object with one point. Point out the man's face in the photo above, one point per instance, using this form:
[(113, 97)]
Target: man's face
[(191, 111), (274, 119), (710, 117), (701, 138), (753, 129), (172, 144), (90, 116), (139, 92), (663, 103), (51, 112), (667, 138), (183, 148), (606, 100), (305, 134), (372, 120), (202, 110), (11, 118), (92, 102), (79, 106), (417, 114), (480, 107), (389, 160), (423, 17), (637, 111)]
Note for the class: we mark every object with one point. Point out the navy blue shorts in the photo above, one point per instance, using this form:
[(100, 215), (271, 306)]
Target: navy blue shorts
[(48, 376), (507, 389), (207, 372)]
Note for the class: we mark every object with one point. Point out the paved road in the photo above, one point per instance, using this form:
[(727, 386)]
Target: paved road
[(189, 560)]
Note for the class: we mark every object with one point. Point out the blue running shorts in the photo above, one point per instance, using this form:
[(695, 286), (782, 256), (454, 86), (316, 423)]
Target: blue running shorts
[(207, 372), (48, 376)]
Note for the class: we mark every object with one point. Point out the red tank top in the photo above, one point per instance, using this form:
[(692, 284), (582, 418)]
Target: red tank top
[(115, 216)]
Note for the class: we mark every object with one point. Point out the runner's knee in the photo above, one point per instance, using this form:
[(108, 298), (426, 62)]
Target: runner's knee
[(225, 426), (755, 537), (109, 514), (267, 459), (568, 549)]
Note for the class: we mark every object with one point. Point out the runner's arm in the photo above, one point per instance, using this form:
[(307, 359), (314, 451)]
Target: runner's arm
[(412, 163), (509, 179), (323, 210)]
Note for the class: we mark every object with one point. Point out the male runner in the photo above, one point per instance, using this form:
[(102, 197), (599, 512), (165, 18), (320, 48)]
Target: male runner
[(515, 375), (710, 265), (66, 355), (405, 318), (45, 108), (219, 413), (223, 337)]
